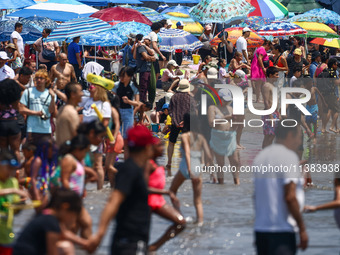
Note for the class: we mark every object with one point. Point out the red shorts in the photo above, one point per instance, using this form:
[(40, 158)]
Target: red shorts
[(156, 201)]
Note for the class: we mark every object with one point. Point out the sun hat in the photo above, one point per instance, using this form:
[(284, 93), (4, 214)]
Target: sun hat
[(140, 136), (240, 74), (11, 45), (172, 62), (225, 94), (3, 55), (169, 22), (297, 52), (184, 86), (100, 81), (132, 36)]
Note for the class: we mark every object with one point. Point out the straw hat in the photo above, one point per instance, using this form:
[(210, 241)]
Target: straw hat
[(184, 86)]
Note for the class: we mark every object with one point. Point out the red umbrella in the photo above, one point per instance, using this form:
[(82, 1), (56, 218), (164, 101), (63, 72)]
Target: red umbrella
[(121, 14)]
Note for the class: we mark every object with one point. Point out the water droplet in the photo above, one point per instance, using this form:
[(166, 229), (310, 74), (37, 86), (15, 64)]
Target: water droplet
[(238, 234), (211, 252)]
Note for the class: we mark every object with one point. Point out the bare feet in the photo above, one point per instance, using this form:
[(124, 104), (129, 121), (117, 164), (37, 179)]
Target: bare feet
[(324, 131), (240, 147), (236, 181), (333, 130)]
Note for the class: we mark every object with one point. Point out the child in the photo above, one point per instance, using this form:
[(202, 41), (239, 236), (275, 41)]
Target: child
[(15, 60), (312, 106), (9, 192), (43, 235), (165, 110), (42, 67), (28, 150), (297, 72), (140, 116)]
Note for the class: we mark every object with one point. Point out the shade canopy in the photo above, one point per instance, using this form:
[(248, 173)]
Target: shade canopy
[(29, 32), (300, 6), (16, 4), (318, 15)]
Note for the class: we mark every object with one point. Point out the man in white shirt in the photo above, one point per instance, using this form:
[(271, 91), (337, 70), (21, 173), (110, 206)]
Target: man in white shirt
[(241, 44), (5, 70), (17, 39), (279, 195)]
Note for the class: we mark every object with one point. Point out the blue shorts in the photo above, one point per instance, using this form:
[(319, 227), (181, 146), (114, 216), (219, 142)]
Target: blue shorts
[(127, 121), (313, 109)]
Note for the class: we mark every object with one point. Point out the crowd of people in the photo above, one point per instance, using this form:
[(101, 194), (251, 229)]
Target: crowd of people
[(59, 132)]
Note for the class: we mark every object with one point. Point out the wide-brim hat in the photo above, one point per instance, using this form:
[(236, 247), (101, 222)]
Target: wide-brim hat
[(184, 86), (100, 81)]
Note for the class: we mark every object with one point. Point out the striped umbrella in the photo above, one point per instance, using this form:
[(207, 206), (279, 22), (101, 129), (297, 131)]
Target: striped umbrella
[(315, 29), (281, 29), (60, 10), (39, 22), (78, 27), (334, 43), (271, 9), (173, 39), (148, 12)]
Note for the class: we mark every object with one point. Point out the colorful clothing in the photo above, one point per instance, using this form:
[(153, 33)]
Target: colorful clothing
[(270, 126), (156, 180), (313, 109), (256, 69)]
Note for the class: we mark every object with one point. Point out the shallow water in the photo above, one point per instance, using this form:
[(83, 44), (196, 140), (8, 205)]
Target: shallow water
[(228, 209)]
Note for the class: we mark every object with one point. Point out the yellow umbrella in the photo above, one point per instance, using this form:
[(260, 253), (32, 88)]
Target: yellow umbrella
[(317, 29), (334, 43)]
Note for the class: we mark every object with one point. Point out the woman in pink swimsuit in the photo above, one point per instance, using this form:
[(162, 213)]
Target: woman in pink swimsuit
[(157, 202)]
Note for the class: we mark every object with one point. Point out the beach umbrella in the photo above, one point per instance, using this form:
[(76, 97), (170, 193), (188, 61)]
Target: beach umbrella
[(221, 11), (334, 43), (105, 38), (179, 9), (173, 39), (106, 2), (255, 22), (254, 40), (279, 29), (174, 1), (16, 4), (121, 14), (151, 14), (60, 10), (318, 15), (78, 27), (271, 9), (300, 6), (315, 29), (123, 29), (39, 22), (29, 32)]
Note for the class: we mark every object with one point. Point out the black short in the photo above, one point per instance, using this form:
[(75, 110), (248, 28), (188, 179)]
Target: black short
[(156, 66), (9, 128), (166, 55), (174, 132), (275, 243), (121, 247)]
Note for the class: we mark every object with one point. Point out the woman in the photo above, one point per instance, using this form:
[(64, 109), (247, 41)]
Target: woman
[(157, 202), (98, 87), (128, 95), (205, 38), (297, 44), (223, 137), (15, 60), (258, 67), (192, 146), (225, 49), (280, 63), (236, 63), (10, 132), (170, 76), (205, 62)]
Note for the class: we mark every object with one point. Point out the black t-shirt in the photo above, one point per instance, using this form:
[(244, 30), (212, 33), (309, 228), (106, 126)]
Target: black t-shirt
[(292, 64), (124, 91), (133, 217), (32, 240)]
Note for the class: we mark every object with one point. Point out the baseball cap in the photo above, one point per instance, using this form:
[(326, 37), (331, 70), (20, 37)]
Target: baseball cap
[(241, 74), (132, 36), (146, 38), (3, 55), (207, 27), (246, 29), (165, 106), (180, 24), (297, 52), (140, 136), (225, 94), (172, 62), (168, 22), (100, 81)]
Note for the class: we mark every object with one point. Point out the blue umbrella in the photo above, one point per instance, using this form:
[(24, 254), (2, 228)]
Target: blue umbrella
[(78, 27), (105, 38), (177, 8), (29, 32), (174, 1), (16, 4), (148, 12), (255, 22), (106, 2), (318, 15), (173, 39), (125, 28), (39, 22)]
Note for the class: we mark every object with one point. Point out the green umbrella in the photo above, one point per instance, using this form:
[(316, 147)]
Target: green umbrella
[(300, 6)]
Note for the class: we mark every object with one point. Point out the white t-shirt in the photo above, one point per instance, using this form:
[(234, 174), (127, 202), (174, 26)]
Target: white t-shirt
[(241, 44), (6, 72), (221, 73), (154, 38), (89, 113), (271, 211), (20, 41)]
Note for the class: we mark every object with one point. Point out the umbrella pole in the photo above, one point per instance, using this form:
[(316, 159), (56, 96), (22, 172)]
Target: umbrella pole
[(82, 46), (95, 51), (225, 46), (306, 48)]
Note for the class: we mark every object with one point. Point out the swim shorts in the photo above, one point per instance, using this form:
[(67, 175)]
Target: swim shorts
[(270, 126)]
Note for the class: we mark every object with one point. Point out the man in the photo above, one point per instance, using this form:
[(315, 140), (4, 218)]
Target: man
[(128, 59), (38, 103), (179, 52), (63, 72), (53, 46), (24, 77), (316, 60), (144, 57), (296, 61), (267, 93), (205, 38), (68, 117), (17, 39), (279, 196), (241, 45), (180, 104), (5, 70), (156, 27), (74, 59), (128, 202)]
